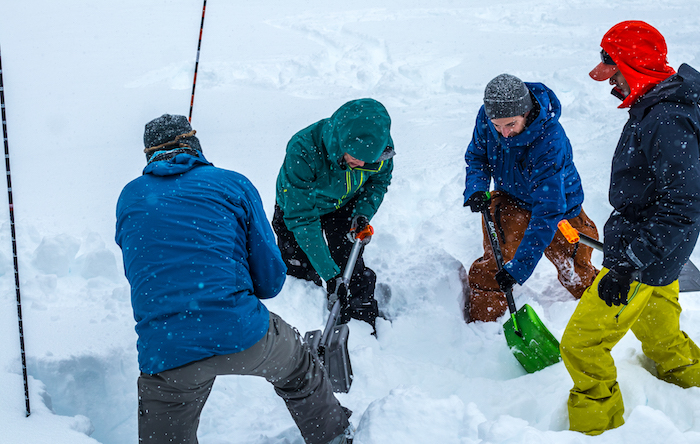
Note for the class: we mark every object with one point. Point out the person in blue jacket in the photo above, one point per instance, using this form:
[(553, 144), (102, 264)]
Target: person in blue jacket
[(650, 235), (519, 143), (200, 256)]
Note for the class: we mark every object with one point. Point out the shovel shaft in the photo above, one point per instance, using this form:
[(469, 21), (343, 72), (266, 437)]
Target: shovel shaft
[(335, 310), (498, 255), (330, 323), (589, 241), (352, 259)]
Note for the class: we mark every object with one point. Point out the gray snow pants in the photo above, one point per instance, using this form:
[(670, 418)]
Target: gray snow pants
[(171, 402)]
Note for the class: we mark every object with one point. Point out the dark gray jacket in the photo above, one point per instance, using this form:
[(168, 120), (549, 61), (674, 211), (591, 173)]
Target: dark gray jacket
[(655, 181)]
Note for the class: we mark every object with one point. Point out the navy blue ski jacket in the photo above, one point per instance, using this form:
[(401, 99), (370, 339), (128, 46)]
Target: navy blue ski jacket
[(655, 181), (536, 167), (199, 253)]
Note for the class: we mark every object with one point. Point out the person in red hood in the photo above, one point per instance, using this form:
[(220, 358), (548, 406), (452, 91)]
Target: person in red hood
[(633, 59), (655, 195)]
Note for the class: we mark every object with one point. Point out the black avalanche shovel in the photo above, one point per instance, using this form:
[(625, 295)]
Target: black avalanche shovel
[(529, 340), (332, 345), (689, 280)]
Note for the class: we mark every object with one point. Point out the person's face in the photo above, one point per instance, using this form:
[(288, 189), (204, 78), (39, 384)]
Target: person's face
[(510, 126), (352, 162), (618, 80)]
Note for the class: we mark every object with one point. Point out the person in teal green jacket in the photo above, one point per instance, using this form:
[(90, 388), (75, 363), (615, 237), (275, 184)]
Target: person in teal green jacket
[(332, 182)]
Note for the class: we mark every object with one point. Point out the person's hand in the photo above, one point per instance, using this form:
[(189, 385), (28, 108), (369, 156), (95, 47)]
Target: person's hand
[(336, 289), (615, 285), (505, 280), (358, 224), (478, 201)]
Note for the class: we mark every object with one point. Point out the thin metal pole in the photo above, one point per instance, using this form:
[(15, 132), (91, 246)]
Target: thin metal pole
[(196, 64), (14, 238)]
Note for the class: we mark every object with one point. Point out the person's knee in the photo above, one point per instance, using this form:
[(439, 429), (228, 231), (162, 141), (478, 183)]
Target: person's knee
[(290, 354), (369, 277)]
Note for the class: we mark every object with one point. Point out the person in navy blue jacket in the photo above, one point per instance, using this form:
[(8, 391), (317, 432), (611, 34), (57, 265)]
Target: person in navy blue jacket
[(200, 256), (650, 235), (519, 143)]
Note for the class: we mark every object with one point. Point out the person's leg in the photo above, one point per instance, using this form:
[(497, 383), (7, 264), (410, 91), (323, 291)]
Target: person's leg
[(306, 390), (573, 261), (676, 356), (336, 225), (169, 408), (298, 264), (282, 358), (486, 301), (595, 402)]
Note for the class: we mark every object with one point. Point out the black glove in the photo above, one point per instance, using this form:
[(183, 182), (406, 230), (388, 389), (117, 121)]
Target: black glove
[(359, 223), (336, 289), (478, 201), (505, 280), (615, 285)]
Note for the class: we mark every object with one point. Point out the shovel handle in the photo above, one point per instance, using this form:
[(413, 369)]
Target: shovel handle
[(498, 255), (347, 274), (367, 231), (573, 236)]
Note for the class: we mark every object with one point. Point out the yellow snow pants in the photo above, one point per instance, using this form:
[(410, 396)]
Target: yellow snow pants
[(595, 402)]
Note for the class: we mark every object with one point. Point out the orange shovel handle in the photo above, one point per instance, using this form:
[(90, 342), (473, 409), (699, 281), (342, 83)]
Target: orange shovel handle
[(569, 232), (368, 231)]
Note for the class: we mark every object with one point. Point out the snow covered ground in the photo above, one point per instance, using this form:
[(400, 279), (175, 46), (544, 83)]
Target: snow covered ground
[(83, 77)]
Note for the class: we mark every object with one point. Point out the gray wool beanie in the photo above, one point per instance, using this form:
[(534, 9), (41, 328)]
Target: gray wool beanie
[(170, 131), (506, 96)]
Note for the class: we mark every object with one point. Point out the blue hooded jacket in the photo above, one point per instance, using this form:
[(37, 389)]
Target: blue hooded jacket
[(199, 253), (535, 167)]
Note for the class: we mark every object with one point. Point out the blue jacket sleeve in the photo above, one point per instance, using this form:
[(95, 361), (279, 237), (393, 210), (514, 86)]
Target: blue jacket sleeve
[(548, 192), (267, 269), (478, 175)]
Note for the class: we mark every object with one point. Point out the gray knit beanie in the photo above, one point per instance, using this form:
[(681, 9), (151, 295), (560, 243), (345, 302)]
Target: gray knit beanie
[(168, 132), (506, 96)]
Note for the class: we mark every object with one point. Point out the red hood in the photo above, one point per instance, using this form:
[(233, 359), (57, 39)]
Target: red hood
[(639, 51)]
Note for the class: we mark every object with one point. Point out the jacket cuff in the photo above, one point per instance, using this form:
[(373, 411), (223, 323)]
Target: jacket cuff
[(517, 270), (639, 256)]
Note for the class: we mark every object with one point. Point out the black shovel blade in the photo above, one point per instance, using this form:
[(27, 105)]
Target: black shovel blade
[(532, 344), (334, 356), (689, 280), (337, 359), (313, 339)]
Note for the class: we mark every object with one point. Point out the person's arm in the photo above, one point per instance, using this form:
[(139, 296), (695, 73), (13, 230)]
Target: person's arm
[(550, 205), (674, 158), (267, 269), (301, 215), (478, 172)]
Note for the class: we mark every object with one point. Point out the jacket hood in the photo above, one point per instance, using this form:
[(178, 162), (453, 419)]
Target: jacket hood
[(683, 87), (549, 113), (360, 128), (639, 51), (177, 164)]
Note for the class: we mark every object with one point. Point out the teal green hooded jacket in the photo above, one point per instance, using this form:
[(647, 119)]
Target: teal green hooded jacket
[(315, 180)]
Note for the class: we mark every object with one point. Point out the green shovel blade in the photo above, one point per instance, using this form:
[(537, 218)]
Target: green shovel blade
[(536, 348)]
